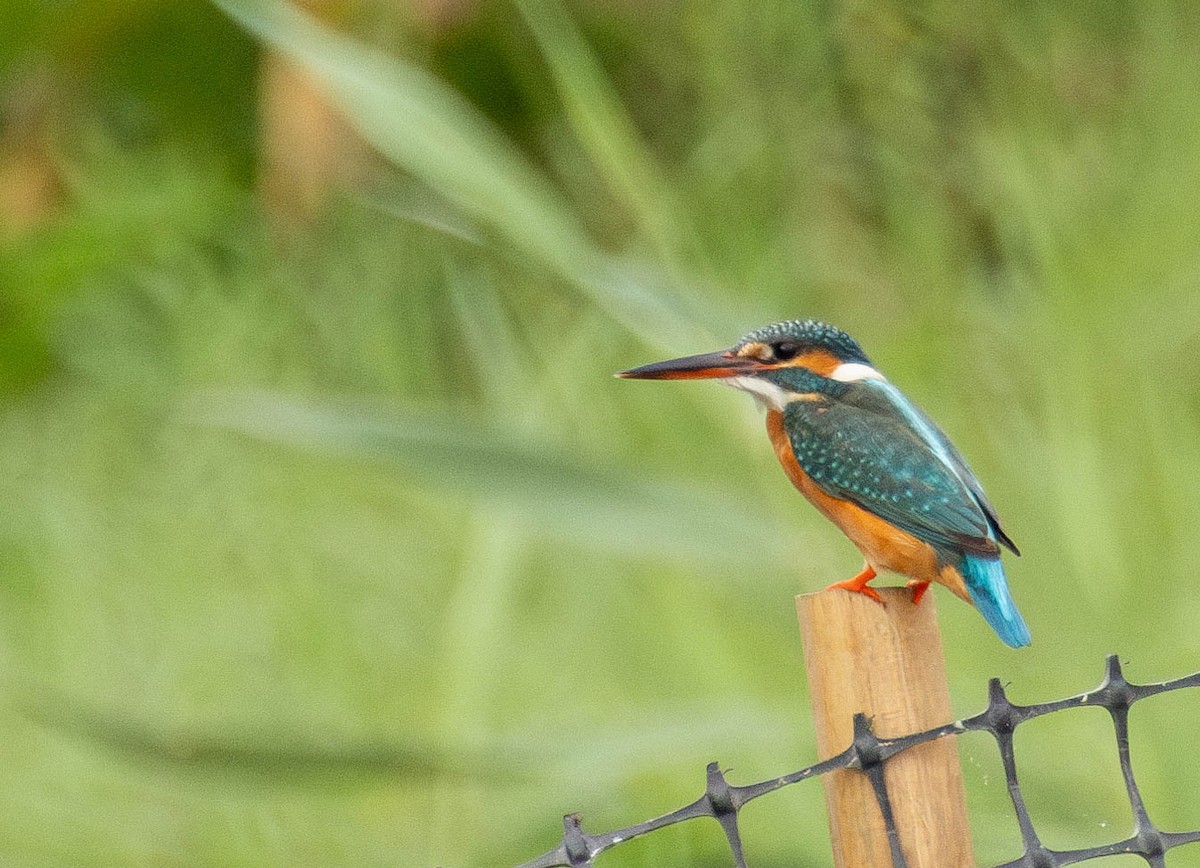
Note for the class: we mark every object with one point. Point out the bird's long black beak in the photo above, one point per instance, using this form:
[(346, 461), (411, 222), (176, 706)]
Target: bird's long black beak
[(706, 366)]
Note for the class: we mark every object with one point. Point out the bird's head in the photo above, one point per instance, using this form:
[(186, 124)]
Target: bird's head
[(776, 363)]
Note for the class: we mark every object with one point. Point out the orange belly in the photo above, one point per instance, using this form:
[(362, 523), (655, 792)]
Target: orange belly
[(885, 546)]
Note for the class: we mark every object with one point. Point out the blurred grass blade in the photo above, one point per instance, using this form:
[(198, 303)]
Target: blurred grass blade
[(266, 752), (490, 341), (479, 625), (430, 130), (629, 513), (413, 202), (602, 124)]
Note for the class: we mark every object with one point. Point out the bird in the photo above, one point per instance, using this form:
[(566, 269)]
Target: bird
[(871, 461)]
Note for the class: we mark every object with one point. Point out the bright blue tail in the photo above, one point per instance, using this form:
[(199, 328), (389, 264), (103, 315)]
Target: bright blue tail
[(989, 591)]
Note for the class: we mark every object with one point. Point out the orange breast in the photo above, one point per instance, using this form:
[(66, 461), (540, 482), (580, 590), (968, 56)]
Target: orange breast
[(885, 546)]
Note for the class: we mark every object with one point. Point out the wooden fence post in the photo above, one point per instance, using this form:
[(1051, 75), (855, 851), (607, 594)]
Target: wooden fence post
[(885, 661)]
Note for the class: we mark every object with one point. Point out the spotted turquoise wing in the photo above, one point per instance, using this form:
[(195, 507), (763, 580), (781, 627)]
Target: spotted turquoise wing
[(861, 446)]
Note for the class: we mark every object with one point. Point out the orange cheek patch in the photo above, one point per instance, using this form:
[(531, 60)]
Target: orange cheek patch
[(820, 362)]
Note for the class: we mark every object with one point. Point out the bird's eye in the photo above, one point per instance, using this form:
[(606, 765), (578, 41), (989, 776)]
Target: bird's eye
[(785, 350)]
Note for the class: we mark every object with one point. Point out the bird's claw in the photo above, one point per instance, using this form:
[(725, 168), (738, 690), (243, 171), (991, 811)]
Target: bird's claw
[(918, 589), (859, 585)]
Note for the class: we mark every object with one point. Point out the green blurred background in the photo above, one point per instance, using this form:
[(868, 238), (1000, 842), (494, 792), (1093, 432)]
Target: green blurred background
[(327, 537)]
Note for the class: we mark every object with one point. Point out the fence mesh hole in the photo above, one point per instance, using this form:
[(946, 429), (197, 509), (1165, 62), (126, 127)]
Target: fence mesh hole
[(1076, 795)]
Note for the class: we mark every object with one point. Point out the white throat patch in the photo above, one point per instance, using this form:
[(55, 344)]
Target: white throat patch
[(764, 391)]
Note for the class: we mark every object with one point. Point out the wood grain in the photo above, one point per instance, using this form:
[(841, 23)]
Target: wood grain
[(885, 661)]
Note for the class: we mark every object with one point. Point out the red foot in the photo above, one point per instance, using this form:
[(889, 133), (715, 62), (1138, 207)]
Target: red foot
[(918, 589), (859, 585)]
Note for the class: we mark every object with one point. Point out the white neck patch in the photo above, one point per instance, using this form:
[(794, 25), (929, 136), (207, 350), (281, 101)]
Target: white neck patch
[(852, 372)]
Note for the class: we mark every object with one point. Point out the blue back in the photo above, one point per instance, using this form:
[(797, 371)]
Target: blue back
[(869, 444)]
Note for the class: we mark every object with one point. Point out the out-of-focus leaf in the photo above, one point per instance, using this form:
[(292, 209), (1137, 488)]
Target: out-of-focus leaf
[(601, 123), (430, 130), (633, 514), (266, 753)]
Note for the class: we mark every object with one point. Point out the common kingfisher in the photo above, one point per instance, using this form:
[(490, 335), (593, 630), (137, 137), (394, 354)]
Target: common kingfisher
[(870, 460)]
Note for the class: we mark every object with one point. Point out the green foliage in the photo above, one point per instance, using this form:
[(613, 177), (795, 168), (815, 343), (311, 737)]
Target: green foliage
[(345, 548)]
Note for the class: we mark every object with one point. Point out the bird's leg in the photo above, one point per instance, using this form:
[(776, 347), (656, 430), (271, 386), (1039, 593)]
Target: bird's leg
[(859, 585), (918, 588)]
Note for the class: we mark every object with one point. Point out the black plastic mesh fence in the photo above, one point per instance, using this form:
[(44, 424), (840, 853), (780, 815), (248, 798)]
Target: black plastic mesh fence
[(722, 801)]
